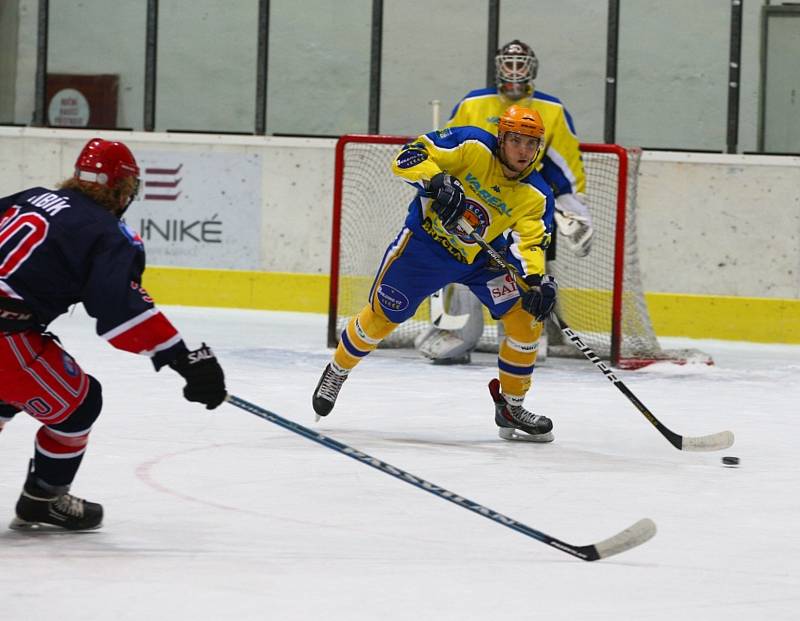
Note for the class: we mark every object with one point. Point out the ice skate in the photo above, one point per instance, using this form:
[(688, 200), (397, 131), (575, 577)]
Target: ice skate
[(327, 390), (517, 423), (41, 506)]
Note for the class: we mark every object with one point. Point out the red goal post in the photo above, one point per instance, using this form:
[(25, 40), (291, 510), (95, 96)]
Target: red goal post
[(600, 296)]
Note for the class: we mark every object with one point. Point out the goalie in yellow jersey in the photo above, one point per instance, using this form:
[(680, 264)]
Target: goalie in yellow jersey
[(491, 183), (559, 162)]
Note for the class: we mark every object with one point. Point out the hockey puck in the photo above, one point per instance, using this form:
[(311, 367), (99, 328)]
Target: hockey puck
[(730, 461)]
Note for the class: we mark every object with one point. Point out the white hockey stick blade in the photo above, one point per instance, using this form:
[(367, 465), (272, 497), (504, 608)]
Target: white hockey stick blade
[(439, 316), (713, 442), (643, 530)]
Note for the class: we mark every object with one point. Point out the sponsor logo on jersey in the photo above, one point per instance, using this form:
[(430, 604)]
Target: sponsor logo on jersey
[(486, 196), (502, 288), (131, 235), (443, 240), (391, 298), (410, 158), (478, 218)]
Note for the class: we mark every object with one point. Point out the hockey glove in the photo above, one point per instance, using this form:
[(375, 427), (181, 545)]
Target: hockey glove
[(448, 199), (7, 412), (540, 299), (574, 224), (205, 381)]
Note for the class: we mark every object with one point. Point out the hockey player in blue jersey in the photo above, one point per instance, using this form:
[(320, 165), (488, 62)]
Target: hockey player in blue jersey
[(466, 172), (59, 247)]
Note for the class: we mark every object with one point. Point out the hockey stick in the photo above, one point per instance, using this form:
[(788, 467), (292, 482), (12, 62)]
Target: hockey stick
[(439, 316), (629, 538), (712, 442)]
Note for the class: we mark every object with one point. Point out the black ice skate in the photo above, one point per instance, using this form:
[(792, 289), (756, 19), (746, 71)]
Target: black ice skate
[(42, 506), (511, 419), (327, 390)]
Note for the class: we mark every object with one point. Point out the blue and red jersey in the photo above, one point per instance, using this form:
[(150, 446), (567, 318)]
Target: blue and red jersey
[(59, 248)]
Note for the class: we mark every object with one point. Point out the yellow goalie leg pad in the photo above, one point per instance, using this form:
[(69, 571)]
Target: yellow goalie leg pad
[(517, 353), (361, 336)]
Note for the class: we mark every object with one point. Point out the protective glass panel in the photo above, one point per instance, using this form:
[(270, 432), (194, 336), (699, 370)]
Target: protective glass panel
[(782, 82), (207, 57), (572, 56), (672, 79), (95, 63), (319, 65), (13, 35), (431, 52)]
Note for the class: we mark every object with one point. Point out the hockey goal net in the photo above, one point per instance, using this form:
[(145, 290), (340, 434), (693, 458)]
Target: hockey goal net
[(600, 296)]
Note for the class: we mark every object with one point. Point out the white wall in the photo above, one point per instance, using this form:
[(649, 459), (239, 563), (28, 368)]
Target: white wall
[(720, 224), (708, 224)]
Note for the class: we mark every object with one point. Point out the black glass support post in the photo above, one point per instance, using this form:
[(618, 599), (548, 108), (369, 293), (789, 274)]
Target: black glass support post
[(261, 67), (40, 89), (375, 67), (492, 42), (734, 66), (150, 61), (612, 43)]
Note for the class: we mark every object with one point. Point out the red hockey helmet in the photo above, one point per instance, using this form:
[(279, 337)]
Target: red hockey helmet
[(105, 163)]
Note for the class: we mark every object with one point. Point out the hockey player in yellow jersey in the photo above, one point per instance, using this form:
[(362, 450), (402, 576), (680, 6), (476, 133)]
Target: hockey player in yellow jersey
[(491, 183), (559, 162)]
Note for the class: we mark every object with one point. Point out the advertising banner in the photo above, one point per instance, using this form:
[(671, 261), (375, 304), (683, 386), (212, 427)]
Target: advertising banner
[(199, 209)]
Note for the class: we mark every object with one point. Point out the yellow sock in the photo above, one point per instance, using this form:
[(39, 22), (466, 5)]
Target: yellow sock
[(517, 353), (361, 336)]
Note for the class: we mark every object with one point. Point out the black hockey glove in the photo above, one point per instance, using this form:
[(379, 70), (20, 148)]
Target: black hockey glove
[(205, 381), (7, 412), (448, 199), (540, 299)]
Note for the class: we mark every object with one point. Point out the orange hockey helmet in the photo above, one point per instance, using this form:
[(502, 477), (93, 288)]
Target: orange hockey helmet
[(521, 121)]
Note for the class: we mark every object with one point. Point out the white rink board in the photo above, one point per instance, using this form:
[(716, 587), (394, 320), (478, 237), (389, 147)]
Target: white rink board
[(222, 515), (708, 224)]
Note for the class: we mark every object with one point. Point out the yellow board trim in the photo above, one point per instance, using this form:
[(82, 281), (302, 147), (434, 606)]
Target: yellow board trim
[(283, 291), (762, 320)]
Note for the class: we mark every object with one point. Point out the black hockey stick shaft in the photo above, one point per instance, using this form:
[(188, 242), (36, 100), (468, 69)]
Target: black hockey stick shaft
[(637, 534), (713, 442)]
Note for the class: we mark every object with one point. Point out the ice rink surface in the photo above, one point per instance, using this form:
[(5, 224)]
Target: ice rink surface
[(222, 515)]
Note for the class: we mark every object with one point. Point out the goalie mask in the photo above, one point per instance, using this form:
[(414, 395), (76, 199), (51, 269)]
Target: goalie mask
[(515, 70)]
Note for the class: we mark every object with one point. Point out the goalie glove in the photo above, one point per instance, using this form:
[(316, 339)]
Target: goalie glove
[(574, 224)]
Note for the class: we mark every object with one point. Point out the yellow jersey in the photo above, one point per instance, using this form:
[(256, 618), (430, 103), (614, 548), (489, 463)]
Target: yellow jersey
[(522, 207), (560, 159)]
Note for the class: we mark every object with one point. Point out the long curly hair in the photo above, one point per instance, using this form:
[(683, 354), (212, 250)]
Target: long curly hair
[(110, 199)]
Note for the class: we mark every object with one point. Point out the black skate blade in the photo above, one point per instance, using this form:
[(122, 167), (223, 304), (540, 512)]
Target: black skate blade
[(43, 528), (512, 435)]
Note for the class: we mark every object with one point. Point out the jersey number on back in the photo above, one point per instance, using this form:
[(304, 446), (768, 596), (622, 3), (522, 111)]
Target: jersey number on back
[(20, 234)]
